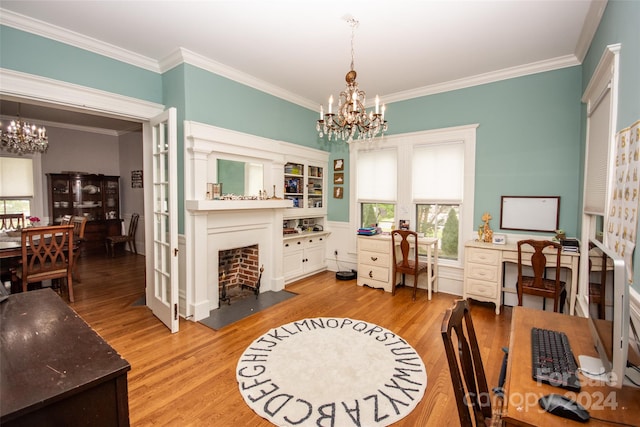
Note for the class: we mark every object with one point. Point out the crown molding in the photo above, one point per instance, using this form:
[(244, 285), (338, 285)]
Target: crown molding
[(89, 129), (63, 35), (591, 23), (481, 79), (182, 55)]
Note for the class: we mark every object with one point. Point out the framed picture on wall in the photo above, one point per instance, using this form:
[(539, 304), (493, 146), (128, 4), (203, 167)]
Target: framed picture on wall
[(338, 165), (136, 179), (337, 192), (338, 178)]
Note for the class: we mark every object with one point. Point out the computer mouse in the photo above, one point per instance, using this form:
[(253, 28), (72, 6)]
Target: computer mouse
[(562, 406)]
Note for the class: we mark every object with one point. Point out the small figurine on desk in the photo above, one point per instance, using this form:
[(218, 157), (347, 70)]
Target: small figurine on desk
[(488, 232)]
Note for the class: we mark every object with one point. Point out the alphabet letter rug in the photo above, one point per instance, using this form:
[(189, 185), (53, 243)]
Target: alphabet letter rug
[(328, 371)]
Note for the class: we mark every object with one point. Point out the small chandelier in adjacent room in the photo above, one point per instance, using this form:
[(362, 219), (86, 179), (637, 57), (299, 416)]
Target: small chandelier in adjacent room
[(21, 137), (352, 120)]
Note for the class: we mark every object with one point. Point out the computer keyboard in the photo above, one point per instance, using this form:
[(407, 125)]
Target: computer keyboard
[(552, 360)]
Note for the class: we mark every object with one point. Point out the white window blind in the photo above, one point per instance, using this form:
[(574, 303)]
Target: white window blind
[(595, 195), (438, 172), (377, 175), (16, 177)]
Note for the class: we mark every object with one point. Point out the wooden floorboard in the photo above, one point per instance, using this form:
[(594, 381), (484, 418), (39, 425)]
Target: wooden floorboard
[(188, 378)]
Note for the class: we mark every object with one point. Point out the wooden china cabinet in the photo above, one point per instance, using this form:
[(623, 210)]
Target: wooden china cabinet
[(96, 197)]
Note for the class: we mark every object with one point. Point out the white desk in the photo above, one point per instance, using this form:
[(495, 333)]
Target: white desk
[(375, 262), (483, 279)]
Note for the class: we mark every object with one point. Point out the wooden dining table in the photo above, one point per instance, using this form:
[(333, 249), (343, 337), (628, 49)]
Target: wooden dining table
[(10, 249)]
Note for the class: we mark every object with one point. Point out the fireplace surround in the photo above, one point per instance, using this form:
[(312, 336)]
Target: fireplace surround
[(217, 225)]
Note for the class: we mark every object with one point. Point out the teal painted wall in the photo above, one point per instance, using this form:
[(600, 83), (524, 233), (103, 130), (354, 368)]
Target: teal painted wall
[(528, 139), (59, 61), (619, 24), (221, 102), (174, 96)]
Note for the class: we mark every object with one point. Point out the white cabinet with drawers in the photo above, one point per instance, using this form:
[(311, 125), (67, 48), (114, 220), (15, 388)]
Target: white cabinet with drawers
[(303, 255), (483, 273), (374, 262)]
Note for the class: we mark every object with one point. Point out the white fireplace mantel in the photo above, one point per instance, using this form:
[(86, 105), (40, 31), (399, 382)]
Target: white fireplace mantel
[(211, 226), (231, 205)]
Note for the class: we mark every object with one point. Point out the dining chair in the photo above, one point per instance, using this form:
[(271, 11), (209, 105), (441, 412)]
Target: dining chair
[(79, 223), (47, 253), (66, 219), (404, 262), (467, 372), (538, 284), (129, 238), (11, 221)]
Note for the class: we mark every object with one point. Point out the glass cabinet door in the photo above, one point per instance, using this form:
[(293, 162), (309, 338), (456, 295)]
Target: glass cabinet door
[(87, 196)]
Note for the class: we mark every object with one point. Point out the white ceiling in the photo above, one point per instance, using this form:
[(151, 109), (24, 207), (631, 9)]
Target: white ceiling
[(300, 49)]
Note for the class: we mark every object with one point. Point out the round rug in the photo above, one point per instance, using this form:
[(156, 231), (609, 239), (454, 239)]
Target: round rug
[(328, 371)]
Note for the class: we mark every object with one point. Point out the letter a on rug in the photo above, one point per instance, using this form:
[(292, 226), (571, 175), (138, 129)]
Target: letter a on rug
[(331, 371)]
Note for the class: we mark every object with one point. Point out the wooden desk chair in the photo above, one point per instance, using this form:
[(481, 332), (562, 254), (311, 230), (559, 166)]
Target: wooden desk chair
[(467, 372), (406, 264), (129, 238), (66, 220), (79, 223), (47, 253), (538, 284), (597, 289), (11, 221)]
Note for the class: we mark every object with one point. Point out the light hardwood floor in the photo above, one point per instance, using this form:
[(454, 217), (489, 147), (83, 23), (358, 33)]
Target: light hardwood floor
[(188, 378)]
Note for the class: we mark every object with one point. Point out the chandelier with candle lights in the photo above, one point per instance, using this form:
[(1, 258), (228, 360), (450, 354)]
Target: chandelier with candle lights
[(21, 137), (352, 121)]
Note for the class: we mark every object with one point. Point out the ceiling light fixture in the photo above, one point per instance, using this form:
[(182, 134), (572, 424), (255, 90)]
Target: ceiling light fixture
[(22, 137), (352, 120)]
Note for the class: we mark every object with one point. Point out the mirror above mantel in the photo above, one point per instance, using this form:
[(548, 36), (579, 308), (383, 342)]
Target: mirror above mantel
[(240, 178)]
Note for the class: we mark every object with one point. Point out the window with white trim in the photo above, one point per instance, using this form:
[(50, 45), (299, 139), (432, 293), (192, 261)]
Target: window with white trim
[(16, 185), (377, 187), (428, 178)]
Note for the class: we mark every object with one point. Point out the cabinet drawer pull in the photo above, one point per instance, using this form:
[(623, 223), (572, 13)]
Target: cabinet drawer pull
[(374, 258), (310, 240), (286, 245), (299, 243), (370, 274)]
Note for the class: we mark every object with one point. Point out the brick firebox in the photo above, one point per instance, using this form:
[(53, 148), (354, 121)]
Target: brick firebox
[(236, 267)]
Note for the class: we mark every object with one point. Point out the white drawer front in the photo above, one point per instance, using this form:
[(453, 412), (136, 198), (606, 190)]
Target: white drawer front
[(292, 245), (373, 272), (483, 256), (373, 245), (481, 288), (373, 258), (482, 272)]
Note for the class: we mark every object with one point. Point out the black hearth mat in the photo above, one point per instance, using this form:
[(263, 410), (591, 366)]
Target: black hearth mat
[(228, 314)]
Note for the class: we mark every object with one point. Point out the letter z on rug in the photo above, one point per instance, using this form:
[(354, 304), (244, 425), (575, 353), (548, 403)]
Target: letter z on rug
[(331, 371)]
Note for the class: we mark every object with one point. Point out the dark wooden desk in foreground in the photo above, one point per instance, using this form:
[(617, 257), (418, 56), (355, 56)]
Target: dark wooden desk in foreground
[(54, 369), (522, 392)]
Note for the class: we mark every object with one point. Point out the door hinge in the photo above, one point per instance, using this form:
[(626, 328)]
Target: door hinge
[(175, 311)]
